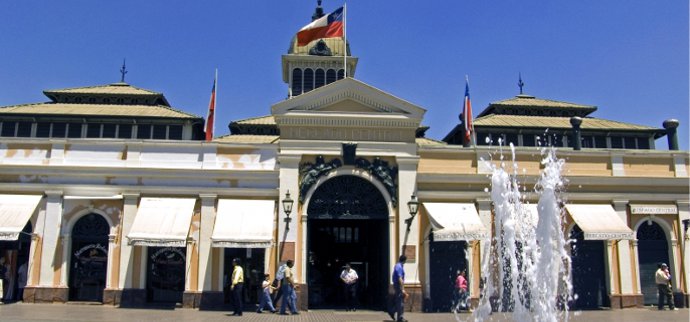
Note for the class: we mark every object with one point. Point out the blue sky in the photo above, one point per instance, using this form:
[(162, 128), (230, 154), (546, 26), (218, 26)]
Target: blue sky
[(628, 57)]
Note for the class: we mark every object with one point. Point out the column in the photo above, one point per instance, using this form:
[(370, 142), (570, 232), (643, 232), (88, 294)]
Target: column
[(625, 260), (50, 232), (684, 214), (66, 241), (129, 210), (112, 243), (208, 217), (407, 186), (484, 210)]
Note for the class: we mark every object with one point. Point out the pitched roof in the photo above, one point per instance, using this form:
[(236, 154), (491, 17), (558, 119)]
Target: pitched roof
[(528, 121), (248, 139), (115, 88), (261, 120), (428, 141), (528, 102), (62, 109)]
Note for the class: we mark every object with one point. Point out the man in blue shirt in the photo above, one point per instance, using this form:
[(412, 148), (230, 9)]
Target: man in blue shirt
[(399, 287)]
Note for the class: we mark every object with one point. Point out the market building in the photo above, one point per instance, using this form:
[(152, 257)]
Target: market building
[(109, 194)]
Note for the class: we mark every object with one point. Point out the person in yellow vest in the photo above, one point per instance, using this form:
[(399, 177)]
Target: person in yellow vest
[(237, 286)]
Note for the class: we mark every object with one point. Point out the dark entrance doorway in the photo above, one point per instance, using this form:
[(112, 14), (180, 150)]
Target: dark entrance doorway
[(446, 259), (89, 258), (165, 274), (252, 262), (652, 249), (16, 254), (588, 272), (348, 223)]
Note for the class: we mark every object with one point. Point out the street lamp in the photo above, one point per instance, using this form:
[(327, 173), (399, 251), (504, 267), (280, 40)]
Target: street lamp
[(287, 207), (686, 224), (413, 207)]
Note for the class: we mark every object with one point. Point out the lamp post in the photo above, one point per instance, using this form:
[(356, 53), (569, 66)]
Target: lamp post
[(686, 225), (413, 207), (287, 208)]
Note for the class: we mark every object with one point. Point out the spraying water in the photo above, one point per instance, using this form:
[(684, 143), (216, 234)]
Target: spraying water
[(525, 267)]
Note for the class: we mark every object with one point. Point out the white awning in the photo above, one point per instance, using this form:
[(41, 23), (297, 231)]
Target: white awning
[(599, 222), (162, 222), (15, 212), (244, 223), (455, 221)]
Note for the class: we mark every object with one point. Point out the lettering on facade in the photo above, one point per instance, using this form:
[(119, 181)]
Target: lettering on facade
[(653, 209), (95, 247), (169, 252), (318, 133)]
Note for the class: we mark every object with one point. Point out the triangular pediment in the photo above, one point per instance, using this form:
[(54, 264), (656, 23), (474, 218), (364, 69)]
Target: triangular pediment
[(348, 96)]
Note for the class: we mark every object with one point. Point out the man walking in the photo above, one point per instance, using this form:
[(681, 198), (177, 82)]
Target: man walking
[(349, 278), (288, 289), (399, 287), (237, 286), (663, 284)]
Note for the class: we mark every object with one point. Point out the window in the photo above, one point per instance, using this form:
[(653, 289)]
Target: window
[(341, 73), (24, 129), (42, 130), (59, 130), (109, 130), (587, 142), (643, 143), (93, 130), (8, 128), (616, 142), (124, 131), (175, 132), (482, 139), (159, 132), (296, 81), (528, 140), (320, 78), (144, 131), (630, 143), (74, 130), (510, 138), (308, 79), (330, 76), (600, 142)]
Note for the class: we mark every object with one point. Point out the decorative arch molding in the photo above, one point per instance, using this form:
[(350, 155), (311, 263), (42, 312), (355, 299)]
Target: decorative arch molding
[(663, 224), (69, 226), (353, 172), (379, 169)]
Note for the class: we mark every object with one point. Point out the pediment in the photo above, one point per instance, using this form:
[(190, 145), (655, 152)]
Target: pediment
[(348, 96)]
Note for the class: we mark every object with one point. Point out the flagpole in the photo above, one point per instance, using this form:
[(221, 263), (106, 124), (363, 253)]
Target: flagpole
[(345, 39), (215, 103)]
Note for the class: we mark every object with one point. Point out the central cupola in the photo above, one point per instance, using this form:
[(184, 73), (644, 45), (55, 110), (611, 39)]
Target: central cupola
[(318, 53)]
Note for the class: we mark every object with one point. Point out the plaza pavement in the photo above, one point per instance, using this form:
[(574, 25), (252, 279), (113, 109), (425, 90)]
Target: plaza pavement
[(102, 313)]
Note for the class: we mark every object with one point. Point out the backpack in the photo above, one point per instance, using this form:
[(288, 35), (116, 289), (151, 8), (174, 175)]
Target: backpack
[(281, 272)]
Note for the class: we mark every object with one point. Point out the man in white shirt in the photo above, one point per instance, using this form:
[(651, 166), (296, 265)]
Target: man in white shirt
[(349, 278)]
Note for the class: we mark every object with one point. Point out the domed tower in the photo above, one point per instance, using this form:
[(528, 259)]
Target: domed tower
[(318, 63)]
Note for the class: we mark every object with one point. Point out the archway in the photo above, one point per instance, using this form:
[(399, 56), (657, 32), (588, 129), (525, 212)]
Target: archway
[(446, 259), (588, 272), (89, 258), (16, 254), (347, 223), (652, 249)]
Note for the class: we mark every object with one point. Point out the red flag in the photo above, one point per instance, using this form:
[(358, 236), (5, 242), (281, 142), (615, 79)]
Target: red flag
[(467, 114), (328, 26), (211, 111)]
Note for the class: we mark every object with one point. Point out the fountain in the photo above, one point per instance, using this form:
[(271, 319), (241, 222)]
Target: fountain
[(525, 266)]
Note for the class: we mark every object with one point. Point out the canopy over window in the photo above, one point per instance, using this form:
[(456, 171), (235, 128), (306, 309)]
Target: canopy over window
[(599, 222), (15, 212), (244, 223), (455, 221), (162, 222)]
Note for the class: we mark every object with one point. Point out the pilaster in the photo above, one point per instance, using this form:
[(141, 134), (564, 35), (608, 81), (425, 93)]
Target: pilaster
[(625, 264), (129, 210), (51, 221), (208, 218)]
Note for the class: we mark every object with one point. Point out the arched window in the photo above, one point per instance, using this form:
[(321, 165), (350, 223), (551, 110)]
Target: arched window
[(308, 79), (320, 78), (330, 76), (296, 81), (341, 73)]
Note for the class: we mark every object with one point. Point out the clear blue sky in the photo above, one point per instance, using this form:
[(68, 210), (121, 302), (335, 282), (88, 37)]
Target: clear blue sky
[(628, 57)]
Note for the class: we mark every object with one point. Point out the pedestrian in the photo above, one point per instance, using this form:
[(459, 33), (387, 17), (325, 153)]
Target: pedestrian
[(399, 287), (349, 278), (237, 286), (288, 290), (22, 278), (460, 292), (3, 274), (663, 284), (277, 283), (266, 291)]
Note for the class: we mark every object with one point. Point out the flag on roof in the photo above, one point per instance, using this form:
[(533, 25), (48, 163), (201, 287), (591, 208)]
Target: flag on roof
[(328, 26), (210, 119), (467, 115)]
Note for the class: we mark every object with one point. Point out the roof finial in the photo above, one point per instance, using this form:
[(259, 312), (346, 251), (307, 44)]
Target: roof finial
[(318, 13), (123, 70), (521, 84)]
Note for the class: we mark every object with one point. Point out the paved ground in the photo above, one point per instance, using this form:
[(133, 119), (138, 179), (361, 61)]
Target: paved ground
[(100, 313)]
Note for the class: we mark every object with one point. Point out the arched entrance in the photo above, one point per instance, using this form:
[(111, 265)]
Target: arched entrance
[(89, 258), (347, 222), (652, 249), (446, 259), (16, 254), (588, 272)]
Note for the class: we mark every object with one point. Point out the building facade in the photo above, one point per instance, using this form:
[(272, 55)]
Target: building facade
[(108, 194)]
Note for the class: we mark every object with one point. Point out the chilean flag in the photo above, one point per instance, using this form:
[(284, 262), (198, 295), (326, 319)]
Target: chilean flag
[(211, 111), (328, 26), (467, 114)]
